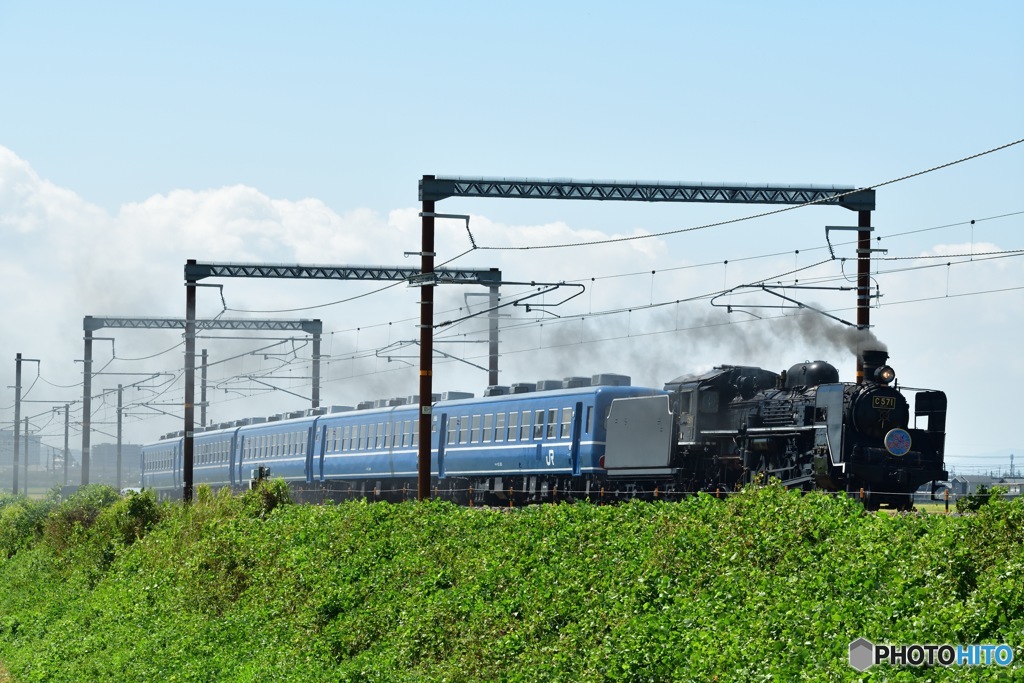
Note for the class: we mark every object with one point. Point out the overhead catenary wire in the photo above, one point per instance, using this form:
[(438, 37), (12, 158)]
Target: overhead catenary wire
[(718, 262), (763, 214), (652, 302), (525, 323)]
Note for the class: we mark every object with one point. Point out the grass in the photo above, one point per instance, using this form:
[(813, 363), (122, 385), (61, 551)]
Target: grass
[(766, 585)]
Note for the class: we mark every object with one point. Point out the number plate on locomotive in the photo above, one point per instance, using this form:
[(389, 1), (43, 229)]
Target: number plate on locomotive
[(883, 402)]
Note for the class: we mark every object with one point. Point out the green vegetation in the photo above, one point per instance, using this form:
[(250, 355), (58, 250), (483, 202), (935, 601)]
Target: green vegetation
[(767, 585), (974, 501)]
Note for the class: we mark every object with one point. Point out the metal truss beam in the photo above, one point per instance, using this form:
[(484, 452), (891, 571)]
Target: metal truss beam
[(198, 271), (91, 324), (435, 188)]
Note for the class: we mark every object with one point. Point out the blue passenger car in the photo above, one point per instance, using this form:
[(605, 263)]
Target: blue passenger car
[(526, 445)]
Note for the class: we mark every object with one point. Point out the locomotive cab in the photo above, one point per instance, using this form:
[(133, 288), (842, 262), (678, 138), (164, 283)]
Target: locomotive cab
[(702, 402)]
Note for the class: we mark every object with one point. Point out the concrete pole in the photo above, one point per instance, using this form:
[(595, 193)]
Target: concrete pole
[(26, 456), (17, 416), (67, 451), (492, 352), (316, 370), (86, 405), (118, 438), (202, 391)]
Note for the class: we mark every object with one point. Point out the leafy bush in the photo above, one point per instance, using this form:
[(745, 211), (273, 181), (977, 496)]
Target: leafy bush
[(70, 518), (268, 495), (21, 522), (130, 518), (973, 502)]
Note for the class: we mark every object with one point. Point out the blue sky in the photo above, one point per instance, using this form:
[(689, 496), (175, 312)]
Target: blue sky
[(136, 135)]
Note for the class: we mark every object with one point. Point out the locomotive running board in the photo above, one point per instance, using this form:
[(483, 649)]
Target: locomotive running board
[(799, 480), (654, 472), (774, 431)]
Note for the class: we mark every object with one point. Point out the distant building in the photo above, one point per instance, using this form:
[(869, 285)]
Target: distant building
[(967, 484), (103, 464), (1014, 486), (36, 454)]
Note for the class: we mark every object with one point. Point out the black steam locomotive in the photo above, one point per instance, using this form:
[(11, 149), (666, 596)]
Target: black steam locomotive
[(738, 424)]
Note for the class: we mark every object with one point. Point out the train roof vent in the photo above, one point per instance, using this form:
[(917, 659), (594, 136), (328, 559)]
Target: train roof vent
[(242, 423), (296, 413), (609, 379), (397, 401), (523, 387), (363, 405), (496, 390), (340, 409), (456, 395), (575, 382), (312, 412), (225, 425), (414, 399), (276, 418), (549, 384), (257, 420)]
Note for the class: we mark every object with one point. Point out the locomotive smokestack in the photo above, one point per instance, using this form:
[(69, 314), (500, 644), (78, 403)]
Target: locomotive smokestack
[(872, 360)]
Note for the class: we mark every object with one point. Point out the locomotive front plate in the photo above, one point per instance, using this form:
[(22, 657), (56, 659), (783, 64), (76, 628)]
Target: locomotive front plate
[(897, 441), (883, 402)]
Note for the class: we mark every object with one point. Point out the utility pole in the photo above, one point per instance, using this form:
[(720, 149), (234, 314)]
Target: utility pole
[(202, 392), (67, 453), (190, 386), (26, 457), (426, 347), (315, 402), (17, 415), (118, 438), (86, 405), (863, 280), (17, 419)]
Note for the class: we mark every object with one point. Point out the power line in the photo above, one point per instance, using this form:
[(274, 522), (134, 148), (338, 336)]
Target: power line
[(764, 214)]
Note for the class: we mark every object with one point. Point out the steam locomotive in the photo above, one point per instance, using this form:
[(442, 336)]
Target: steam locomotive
[(739, 424), (600, 439)]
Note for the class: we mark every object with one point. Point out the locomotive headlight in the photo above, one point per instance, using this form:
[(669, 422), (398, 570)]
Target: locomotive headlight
[(884, 374)]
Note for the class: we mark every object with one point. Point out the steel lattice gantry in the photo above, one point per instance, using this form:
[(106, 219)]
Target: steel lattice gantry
[(195, 271), (435, 188), (198, 271), (490, 277), (92, 323)]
